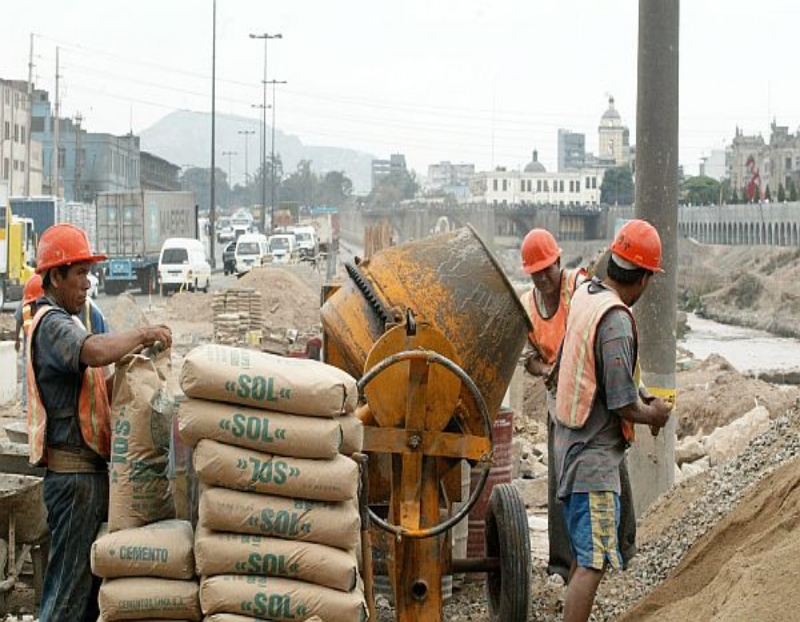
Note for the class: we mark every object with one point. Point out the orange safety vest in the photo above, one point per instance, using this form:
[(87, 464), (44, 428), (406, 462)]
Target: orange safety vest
[(94, 411), (548, 333), (26, 319), (577, 382)]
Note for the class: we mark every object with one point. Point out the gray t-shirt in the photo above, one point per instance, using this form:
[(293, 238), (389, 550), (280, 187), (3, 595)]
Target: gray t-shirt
[(588, 459)]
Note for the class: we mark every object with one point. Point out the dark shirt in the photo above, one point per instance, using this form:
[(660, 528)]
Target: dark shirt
[(56, 363)]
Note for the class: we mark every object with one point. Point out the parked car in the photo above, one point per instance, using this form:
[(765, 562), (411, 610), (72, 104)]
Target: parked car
[(229, 258), (283, 247), (251, 249)]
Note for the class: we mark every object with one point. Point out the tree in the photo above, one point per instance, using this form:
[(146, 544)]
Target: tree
[(198, 180), (735, 197), (393, 188), (617, 187), (781, 194), (792, 190), (701, 190), (767, 194)]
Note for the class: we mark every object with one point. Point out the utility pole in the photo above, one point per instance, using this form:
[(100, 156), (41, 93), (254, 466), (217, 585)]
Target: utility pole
[(77, 195), (28, 137), (652, 460), (246, 134), (266, 37), (272, 158), (212, 213), (56, 147)]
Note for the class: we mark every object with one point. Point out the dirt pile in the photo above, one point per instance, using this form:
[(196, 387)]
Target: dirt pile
[(190, 307), (288, 301)]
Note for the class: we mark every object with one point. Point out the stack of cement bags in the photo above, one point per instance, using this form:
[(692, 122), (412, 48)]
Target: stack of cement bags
[(278, 519), (145, 556), (238, 316)]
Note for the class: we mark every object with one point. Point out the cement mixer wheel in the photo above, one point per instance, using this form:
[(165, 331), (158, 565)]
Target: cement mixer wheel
[(508, 591)]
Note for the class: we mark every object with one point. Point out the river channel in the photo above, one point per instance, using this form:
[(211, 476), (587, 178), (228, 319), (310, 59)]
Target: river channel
[(749, 351)]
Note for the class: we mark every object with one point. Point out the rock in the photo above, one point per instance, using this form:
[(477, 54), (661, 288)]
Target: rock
[(690, 469), (689, 449), (530, 467), (533, 492), (729, 441)]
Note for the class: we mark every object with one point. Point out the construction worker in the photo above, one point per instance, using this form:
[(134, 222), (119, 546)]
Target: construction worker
[(547, 303), (24, 316), (598, 401), (68, 418)]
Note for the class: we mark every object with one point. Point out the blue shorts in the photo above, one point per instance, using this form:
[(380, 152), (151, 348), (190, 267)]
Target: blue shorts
[(592, 520)]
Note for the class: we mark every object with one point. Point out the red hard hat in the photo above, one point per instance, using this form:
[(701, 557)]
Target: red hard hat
[(33, 289), (539, 250), (639, 243), (62, 245)]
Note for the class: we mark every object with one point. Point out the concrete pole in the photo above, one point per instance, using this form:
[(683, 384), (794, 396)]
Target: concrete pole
[(56, 146), (28, 135), (652, 460), (212, 208)]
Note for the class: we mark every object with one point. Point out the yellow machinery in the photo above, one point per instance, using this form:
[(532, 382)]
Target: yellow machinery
[(17, 254), (433, 330)]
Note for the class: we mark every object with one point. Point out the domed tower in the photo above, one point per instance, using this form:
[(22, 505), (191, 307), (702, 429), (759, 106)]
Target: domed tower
[(534, 166), (613, 137)]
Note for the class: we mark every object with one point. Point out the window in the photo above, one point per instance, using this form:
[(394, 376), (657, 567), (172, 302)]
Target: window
[(37, 124), (546, 186), (174, 256), (505, 185), (62, 157), (577, 185), (522, 185), (6, 168), (594, 183), (494, 185), (789, 163), (16, 165), (538, 185), (22, 165), (561, 186), (16, 133), (571, 185), (7, 130), (529, 185), (22, 134)]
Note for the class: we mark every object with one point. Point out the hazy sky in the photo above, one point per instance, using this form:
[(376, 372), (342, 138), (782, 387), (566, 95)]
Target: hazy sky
[(483, 82)]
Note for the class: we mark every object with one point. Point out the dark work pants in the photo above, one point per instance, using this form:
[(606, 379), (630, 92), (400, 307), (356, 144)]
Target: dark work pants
[(560, 558), (76, 505)]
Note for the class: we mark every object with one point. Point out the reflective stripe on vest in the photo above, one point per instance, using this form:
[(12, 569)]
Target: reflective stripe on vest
[(94, 412), (577, 381), (547, 334)]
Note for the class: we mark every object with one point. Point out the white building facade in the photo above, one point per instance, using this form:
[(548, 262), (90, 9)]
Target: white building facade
[(568, 188), (20, 171)]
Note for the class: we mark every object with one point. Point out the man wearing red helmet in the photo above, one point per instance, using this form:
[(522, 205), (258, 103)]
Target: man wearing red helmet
[(23, 317), (68, 418), (547, 303), (597, 404)]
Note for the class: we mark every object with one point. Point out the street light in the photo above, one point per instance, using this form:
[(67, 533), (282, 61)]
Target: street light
[(263, 163), (266, 37), (272, 157), (246, 133), (230, 180)]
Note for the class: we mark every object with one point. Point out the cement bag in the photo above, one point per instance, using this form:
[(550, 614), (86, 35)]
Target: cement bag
[(275, 433), (234, 553), (251, 378), (142, 410), (352, 434), (217, 464), (334, 524), (163, 549), (279, 599), (136, 598)]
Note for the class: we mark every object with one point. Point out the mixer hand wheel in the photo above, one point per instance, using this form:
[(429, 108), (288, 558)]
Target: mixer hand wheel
[(429, 357)]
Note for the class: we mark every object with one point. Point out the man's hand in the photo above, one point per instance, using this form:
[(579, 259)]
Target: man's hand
[(156, 333), (661, 410)]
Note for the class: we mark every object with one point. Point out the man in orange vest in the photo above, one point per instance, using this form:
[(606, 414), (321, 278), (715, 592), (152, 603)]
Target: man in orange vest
[(598, 401), (547, 303), (24, 316), (68, 418)]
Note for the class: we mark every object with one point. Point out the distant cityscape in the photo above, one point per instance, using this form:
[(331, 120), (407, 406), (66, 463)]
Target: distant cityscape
[(88, 163)]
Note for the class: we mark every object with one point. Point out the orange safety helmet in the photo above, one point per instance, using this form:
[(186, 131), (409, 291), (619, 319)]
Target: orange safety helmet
[(539, 250), (33, 289), (62, 245), (639, 243)]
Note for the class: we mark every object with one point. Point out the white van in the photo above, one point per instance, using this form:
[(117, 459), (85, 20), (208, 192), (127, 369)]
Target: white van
[(283, 247), (251, 248), (306, 237), (183, 265)]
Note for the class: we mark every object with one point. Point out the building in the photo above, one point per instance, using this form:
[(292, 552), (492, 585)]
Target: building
[(88, 162), (383, 168), (158, 173), (449, 178), (613, 139), (717, 165), (756, 163), (538, 187), (571, 150), (20, 154)]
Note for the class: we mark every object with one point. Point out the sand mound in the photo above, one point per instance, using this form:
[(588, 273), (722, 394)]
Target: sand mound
[(288, 301), (743, 568), (190, 307)]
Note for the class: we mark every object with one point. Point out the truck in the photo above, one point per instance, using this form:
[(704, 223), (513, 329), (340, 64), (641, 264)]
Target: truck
[(132, 226), (17, 253), (325, 221), (46, 211)]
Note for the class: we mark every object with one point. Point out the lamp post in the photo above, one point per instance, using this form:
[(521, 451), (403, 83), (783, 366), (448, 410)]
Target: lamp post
[(272, 157), (230, 154), (266, 37), (212, 212), (246, 133), (263, 217)]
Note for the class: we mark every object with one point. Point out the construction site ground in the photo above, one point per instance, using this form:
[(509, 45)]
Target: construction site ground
[(720, 545)]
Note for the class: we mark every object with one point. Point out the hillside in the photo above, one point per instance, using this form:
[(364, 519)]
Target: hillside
[(184, 137)]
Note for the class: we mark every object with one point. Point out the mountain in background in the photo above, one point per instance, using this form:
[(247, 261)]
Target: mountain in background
[(184, 138)]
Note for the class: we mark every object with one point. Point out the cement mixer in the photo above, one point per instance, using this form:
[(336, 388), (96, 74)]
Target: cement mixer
[(433, 331)]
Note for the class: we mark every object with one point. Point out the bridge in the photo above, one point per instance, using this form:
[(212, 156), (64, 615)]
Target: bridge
[(773, 224)]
